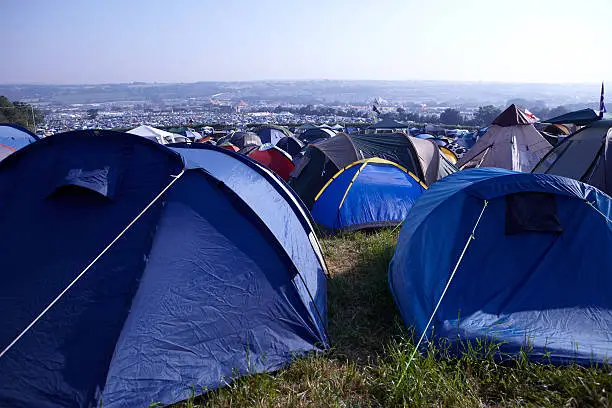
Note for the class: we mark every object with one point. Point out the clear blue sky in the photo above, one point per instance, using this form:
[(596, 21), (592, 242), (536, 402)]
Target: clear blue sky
[(106, 41)]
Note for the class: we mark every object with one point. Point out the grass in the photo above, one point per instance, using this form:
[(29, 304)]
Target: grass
[(371, 347)]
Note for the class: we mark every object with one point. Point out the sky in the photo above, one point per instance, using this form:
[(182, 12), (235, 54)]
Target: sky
[(118, 41)]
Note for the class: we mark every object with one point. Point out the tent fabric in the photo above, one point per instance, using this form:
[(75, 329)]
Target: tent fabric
[(244, 139), (584, 156), (291, 145), (272, 134), (388, 124), (543, 290), (513, 116), (275, 159), (312, 135), (15, 136), (222, 277), (580, 117), (324, 159), (369, 193), (513, 147), (154, 134)]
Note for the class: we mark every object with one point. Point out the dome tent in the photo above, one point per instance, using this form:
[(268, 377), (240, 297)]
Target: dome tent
[(583, 156), (370, 193), (526, 264), (324, 159), (221, 276), (511, 142), (290, 144), (275, 159), (15, 136), (244, 139), (313, 135), (272, 133)]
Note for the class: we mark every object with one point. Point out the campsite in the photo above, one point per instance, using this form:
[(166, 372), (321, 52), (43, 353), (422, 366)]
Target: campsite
[(370, 268), (399, 203)]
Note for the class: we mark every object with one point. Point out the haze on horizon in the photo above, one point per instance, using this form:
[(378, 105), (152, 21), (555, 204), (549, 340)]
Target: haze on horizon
[(115, 41)]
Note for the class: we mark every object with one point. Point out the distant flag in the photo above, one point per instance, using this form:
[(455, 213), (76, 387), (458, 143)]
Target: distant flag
[(602, 105), (375, 109)]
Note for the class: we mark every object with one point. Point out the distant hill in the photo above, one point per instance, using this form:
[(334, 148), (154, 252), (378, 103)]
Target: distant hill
[(312, 92)]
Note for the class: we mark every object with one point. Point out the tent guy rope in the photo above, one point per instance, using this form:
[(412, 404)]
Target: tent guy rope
[(450, 279), (88, 267)]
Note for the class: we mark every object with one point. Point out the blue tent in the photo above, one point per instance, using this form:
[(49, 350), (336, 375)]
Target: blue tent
[(16, 136), (537, 273), (369, 193), (220, 277)]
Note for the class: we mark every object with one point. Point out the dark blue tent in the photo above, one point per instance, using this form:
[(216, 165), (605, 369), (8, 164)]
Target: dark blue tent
[(15, 136), (221, 276), (369, 193), (537, 273)]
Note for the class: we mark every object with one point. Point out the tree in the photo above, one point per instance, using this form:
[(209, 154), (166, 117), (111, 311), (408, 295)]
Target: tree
[(20, 113), (486, 115), (451, 117), (558, 111), (92, 113)]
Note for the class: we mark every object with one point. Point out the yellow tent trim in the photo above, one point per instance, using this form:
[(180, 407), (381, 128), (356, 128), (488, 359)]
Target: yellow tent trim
[(363, 163), (452, 157)]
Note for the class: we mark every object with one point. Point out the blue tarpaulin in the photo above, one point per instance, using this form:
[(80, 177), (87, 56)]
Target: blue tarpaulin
[(537, 275), (220, 278)]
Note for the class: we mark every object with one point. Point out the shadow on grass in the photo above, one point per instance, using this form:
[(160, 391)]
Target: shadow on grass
[(362, 314)]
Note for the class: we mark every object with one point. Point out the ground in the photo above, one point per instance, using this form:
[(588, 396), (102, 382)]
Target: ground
[(367, 366)]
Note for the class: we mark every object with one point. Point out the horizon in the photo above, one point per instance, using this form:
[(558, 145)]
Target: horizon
[(70, 42), (586, 83)]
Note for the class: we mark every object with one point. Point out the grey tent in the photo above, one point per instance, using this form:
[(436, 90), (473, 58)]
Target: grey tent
[(511, 142), (585, 156), (387, 126), (580, 117)]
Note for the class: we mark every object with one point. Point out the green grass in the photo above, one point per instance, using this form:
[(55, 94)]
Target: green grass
[(371, 348)]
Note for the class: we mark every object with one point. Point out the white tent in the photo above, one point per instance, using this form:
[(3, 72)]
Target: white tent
[(151, 133), (511, 142)]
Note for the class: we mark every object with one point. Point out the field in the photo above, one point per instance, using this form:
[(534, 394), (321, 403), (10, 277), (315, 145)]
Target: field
[(371, 348)]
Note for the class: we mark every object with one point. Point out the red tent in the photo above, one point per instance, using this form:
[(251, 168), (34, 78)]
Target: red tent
[(275, 159), (230, 146)]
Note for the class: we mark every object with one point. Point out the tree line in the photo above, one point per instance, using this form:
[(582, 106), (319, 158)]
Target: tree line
[(20, 113), (482, 117)]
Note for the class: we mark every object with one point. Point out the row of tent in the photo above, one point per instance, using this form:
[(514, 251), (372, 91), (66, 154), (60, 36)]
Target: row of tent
[(222, 274)]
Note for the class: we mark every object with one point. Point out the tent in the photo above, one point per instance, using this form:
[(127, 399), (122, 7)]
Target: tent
[(272, 133), (511, 142), (369, 193), (530, 261), (220, 276), (229, 146), (275, 159), (290, 144), (244, 139), (324, 159), (580, 117), (449, 154), (314, 135), (387, 126), (586, 156), (157, 135), (15, 137)]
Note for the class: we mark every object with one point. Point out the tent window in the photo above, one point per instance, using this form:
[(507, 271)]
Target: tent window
[(96, 181), (531, 212)]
